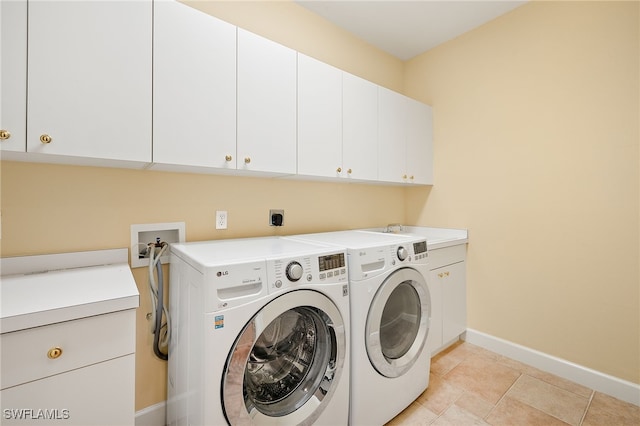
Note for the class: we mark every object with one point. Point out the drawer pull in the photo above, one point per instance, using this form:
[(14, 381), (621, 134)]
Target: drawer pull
[(54, 353), (4, 135), (46, 139)]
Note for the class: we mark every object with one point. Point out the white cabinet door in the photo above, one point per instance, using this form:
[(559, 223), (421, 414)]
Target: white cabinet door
[(419, 142), (194, 88), (434, 338), (319, 118), (266, 105), (13, 83), (392, 134), (99, 394), (360, 128), (454, 301), (90, 78), (406, 140)]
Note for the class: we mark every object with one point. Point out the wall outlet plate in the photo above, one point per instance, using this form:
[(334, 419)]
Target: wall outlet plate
[(143, 234), (276, 217), (221, 219)]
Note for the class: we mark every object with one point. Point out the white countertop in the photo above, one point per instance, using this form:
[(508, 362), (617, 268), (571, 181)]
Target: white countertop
[(436, 237), (40, 290)]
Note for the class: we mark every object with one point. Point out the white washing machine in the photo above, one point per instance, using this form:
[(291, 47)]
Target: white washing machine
[(390, 317), (260, 333)]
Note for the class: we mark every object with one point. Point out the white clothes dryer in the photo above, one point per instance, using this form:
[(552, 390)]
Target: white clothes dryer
[(390, 317), (260, 333)]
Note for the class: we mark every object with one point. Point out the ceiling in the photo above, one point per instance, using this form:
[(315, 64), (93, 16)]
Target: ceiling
[(408, 28)]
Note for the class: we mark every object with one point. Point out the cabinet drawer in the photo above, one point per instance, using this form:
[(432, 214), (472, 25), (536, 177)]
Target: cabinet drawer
[(447, 256), (100, 394), (83, 342)]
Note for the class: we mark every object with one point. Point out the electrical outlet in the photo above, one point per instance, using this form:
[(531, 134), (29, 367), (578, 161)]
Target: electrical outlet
[(276, 217), (221, 219)]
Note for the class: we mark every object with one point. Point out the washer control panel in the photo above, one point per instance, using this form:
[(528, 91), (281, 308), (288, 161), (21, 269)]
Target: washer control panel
[(369, 262), (328, 268)]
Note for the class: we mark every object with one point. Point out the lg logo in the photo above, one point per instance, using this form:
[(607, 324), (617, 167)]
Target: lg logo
[(222, 273)]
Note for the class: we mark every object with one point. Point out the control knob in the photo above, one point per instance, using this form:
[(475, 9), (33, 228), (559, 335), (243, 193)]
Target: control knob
[(402, 253), (294, 271)]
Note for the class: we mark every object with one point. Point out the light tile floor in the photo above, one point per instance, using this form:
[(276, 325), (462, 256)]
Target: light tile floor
[(470, 385)]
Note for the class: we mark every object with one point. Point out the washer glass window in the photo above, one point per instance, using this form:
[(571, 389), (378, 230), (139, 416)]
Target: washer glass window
[(398, 322), (286, 362)]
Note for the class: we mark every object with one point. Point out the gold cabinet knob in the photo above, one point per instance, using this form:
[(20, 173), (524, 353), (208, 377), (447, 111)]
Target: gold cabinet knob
[(339, 170), (446, 274), (349, 171), (411, 177), (404, 176), (247, 160), (45, 139), (4, 135), (440, 275), (228, 158), (54, 353)]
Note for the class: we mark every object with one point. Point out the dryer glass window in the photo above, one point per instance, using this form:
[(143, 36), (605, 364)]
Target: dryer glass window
[(287, 362), (400, 321)]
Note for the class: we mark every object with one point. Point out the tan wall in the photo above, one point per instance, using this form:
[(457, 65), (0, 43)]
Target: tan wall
[(536, 119), (53, 209)]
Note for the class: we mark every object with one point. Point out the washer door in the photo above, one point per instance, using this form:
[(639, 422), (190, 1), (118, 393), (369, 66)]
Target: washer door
[(398, 322), (286, 363)]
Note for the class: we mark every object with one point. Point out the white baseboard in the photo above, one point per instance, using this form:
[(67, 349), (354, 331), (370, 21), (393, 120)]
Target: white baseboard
[(153, 415), (618, 388)]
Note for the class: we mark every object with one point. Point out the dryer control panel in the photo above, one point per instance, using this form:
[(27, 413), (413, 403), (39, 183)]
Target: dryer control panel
[(317, 269)]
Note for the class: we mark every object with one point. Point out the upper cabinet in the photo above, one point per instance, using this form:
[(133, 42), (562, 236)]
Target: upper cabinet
[(405, 139), (13, 75), (266, 105), (392, 134), (89, 79), (159, 83), (359, 128), (419, 142), (319, 118), (194, 88)]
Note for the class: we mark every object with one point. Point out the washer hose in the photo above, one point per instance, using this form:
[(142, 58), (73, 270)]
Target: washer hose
[(161, 332)]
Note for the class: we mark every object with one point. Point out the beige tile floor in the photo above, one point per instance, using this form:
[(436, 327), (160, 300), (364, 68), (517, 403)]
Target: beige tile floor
[(472, 386)]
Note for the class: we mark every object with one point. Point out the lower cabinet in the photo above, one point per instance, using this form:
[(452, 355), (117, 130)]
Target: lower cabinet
[(79, 372), (101, 394), (448, 287)]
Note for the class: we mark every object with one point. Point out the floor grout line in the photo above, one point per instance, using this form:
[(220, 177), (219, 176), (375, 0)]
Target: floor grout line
[(584, 415), (502, 397)]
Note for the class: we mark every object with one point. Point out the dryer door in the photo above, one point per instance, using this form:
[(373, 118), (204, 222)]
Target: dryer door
[(398, 322), (286, 363)]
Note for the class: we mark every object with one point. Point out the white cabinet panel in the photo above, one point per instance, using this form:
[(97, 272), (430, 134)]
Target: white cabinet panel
[(434, 339), (392, 133), (89, 78), (100, 394), (360, 128), (319, 118), (419, 142), (13, 82), (406, 141), (448, 287), (266, 139), (454, 301), (194, 90)]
